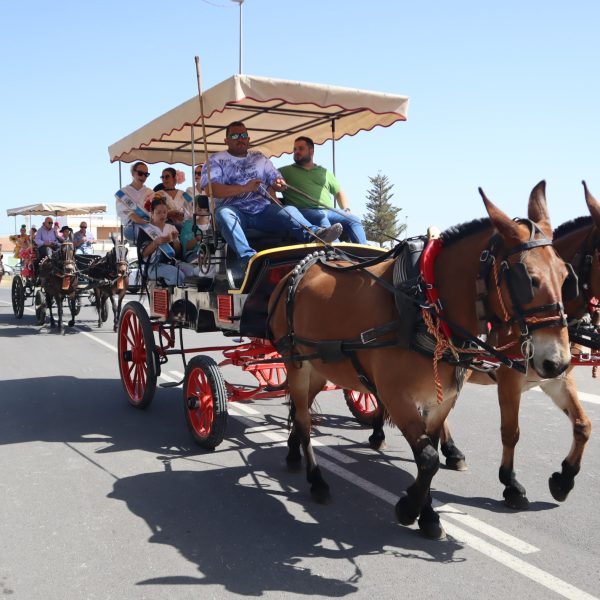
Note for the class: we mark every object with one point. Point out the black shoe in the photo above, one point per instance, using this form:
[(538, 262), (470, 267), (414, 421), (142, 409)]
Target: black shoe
[(329, 234)]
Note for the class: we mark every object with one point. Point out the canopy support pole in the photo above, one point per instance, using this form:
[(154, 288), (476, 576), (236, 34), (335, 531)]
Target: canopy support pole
[(333, 153), (193, 166)]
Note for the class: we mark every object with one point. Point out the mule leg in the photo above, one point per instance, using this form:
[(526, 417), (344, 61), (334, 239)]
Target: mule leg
[(116, 309), (305, 384), (377, 437), (455, 459), (509, 397), (98, 302), (294, 456), (49, 299), (59, 311), (564, 394)]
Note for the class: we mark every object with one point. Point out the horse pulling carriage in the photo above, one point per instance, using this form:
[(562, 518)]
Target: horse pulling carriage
[(341, 319), (67, 276)]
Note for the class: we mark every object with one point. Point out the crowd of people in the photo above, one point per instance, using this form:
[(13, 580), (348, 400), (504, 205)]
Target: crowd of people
[(30, 247), (244, 185)]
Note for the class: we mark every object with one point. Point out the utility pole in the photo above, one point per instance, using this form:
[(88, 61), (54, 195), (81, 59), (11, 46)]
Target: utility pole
[(240, 2)]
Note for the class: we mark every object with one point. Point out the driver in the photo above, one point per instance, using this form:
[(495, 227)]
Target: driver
[(46, 240)]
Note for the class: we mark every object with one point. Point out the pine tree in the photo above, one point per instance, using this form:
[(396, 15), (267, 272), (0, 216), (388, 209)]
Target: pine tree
[(380, 221)]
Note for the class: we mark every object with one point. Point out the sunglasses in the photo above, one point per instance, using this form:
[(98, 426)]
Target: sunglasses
[(237, 136), (83, 226), (165, 176), (143, 173), (48, 222), (198, 174)]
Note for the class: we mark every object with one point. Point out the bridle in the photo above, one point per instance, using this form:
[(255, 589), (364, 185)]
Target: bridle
[(495, 263)]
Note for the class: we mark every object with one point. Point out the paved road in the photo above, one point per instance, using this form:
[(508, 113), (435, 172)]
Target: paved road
[(101, 501)]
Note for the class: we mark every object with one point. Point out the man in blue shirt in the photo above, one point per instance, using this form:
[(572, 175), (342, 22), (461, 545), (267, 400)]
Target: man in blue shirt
[(245, 183), (82, 240)]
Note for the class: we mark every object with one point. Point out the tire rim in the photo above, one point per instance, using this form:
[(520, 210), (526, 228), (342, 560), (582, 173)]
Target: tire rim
[(135, 370), (364, 403), (200, 403)]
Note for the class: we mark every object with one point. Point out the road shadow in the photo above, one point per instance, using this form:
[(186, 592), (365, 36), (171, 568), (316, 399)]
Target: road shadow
[(232, 523)]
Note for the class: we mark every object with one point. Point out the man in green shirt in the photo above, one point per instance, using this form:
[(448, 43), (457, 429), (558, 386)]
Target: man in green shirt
[(316, 186)]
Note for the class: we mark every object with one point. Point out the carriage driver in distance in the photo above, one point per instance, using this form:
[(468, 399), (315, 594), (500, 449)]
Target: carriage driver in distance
[(45, 240)]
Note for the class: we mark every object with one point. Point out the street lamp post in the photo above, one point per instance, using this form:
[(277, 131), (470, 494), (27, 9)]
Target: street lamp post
[(240, 2)]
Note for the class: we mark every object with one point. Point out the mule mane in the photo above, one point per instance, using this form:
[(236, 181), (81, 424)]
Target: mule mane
[(458, 232), (572, 225)]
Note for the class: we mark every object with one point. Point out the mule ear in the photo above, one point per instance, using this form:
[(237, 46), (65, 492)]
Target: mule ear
[(506, 227), (538, 209), (593, 205)]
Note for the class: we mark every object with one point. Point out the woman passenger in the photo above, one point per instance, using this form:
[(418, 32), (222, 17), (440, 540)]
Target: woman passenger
[(130, 201), (179, 203), (159, 244)]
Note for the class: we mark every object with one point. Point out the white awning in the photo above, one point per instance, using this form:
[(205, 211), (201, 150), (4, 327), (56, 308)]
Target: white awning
[(275, 111), (57, 210)]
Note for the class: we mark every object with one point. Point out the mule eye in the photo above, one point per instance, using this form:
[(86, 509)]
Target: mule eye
[(535, 282)]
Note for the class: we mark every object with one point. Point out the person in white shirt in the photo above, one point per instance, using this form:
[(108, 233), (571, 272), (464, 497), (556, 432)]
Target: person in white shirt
[(130, 202), (158, 244)]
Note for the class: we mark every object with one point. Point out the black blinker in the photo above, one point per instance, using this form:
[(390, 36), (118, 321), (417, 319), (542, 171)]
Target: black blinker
[(519, 282), (570, 287)]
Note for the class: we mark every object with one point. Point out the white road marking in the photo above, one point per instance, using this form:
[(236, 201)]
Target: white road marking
[(516, 564), (492, 532), (583, 396)]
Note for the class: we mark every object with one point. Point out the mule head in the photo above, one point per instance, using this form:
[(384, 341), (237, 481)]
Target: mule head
[(530, 276), (66, 257), (593, 279)]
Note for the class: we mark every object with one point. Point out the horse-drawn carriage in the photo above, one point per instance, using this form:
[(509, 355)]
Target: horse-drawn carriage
[(275, 112), (66, 276)]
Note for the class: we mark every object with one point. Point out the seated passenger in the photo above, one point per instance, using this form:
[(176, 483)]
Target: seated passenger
[(246, 183), (66, 234), (158, 244), (83, 240), (46, 239), (192, 232), (130, 202), (314, 187), (179, 203)]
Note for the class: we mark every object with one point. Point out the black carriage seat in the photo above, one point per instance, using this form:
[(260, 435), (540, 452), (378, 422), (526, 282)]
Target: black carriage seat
[(267, 268)]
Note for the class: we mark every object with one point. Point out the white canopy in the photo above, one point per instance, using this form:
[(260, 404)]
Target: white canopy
[(275, 111), (57, 210)]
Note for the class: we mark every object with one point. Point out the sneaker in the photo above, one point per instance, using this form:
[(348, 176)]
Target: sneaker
[(329, 234)]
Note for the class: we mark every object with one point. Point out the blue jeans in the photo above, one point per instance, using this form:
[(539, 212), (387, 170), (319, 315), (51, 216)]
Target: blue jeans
[(324, 218), (172, 274), (273, 219)]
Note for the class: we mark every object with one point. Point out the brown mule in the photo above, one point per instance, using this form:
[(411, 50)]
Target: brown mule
[(578, 243), (328, 310)]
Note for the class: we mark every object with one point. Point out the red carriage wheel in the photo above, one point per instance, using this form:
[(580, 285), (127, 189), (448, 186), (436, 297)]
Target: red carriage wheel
[(137, 359), (18, 296), (364, 407), (205, 401)]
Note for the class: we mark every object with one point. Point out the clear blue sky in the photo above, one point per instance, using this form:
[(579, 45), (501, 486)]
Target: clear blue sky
[(502, 94)]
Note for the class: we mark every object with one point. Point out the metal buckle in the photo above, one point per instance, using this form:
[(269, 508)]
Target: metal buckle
[(368, 336)]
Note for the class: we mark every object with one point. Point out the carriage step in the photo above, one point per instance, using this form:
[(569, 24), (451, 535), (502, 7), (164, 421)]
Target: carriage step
[(171, 384)]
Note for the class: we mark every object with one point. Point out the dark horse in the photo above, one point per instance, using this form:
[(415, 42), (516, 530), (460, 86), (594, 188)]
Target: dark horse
[(58, 277), (578, 243), (338, 325), (107, 276)]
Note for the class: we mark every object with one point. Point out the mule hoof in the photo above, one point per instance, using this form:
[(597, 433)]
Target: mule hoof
[(320, 493), (405, 511), (515, 499), (558, 489), (71, 323), (456, 464), (432, 531), (376, 443)]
